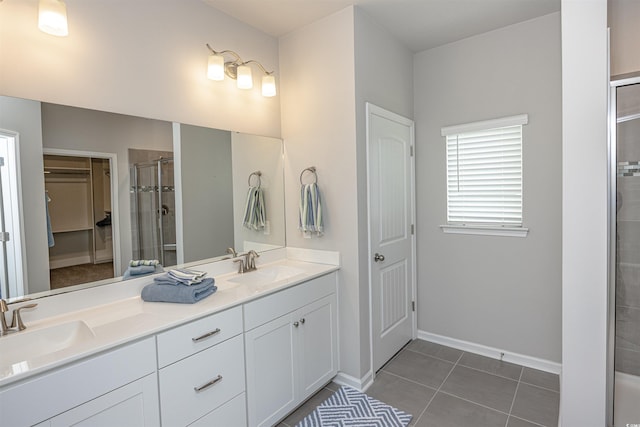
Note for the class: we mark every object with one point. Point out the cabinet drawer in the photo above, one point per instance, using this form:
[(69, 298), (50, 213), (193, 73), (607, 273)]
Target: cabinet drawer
[(263, 310), (180, 403), (231, 414), (193, 337)]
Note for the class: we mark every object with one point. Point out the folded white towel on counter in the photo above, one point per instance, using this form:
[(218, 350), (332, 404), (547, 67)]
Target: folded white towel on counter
[(139, 262), (181, 277)]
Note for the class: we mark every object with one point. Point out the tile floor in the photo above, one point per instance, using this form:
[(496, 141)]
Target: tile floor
[(444, 387)]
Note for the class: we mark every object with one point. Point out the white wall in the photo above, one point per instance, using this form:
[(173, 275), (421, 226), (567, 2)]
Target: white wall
[(252, 153), (584, 213), (81, 129), (145, 58), (623, 17), (329, 69), (501, 292), (319, 129), (384, 77), (207, 192), (23, 116)]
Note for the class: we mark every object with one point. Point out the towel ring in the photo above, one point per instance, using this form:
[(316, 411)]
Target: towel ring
[(311, 169), (258, 174)]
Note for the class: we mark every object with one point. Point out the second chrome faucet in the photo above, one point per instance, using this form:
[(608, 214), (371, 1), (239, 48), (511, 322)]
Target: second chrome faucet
[(16, 321), (247, 262)]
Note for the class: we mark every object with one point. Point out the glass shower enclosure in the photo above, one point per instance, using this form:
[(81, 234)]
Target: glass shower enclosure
[(153, 211), (624, 292)]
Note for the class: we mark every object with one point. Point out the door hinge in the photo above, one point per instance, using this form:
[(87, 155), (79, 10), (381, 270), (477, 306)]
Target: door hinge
[(411, 150), (413, 306), (4, 237), (412, 229), (1, 161)]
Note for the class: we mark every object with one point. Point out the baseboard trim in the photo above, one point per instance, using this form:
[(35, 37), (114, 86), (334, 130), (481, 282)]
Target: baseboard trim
[(361, 384), (494, 353)]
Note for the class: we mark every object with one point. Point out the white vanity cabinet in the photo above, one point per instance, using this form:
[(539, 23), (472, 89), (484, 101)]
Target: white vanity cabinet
[(119, 385), (291, 348), (201, 375)]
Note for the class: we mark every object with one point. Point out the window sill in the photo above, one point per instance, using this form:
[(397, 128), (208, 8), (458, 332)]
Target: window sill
[(485, 230)]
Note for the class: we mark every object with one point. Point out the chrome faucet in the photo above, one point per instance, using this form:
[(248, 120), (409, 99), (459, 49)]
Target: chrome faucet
[(232, 252), (248, 263), (250, 260), (16, 321), (4, 329)]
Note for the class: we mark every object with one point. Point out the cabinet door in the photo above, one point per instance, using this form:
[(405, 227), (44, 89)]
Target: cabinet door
[(317, 345), (135, 404), (271, 379)]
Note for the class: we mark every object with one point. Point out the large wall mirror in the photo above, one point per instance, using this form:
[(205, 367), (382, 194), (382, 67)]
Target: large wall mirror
[(85, 191)]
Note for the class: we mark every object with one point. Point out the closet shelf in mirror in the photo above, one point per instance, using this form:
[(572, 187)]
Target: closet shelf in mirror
[(62, 170), (72, 230)]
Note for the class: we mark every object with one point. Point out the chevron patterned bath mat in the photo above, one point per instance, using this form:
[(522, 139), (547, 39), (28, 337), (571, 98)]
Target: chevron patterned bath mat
[(349, 407)]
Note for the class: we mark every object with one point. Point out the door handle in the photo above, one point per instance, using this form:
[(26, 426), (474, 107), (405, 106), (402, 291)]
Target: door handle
[(378, 257)]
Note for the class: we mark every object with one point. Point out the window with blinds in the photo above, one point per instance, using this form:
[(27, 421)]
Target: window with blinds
[(484, 172)]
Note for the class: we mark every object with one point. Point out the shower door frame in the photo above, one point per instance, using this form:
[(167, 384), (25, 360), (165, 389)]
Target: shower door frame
[(616, 82), (159, 228)]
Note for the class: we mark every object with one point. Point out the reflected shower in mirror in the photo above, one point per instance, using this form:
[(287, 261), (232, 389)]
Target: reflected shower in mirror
[(148, 189)]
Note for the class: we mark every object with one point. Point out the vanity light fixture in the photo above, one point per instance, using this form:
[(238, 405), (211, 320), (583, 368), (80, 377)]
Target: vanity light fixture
[(238, 70), (52, 17)]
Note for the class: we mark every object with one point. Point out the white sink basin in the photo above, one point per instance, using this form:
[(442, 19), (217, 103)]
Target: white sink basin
[(267, 275), (28, 345)]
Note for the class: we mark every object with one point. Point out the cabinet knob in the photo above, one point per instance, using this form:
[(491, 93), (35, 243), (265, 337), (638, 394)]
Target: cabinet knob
[(378, 257), (302, 320), (296, 324)]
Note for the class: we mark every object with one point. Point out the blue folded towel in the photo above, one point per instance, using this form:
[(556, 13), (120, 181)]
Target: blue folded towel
[(156, 292), (141, 270)]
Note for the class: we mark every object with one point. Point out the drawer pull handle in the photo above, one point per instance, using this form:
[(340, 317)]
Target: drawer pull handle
[(209, 384), (207, 335)]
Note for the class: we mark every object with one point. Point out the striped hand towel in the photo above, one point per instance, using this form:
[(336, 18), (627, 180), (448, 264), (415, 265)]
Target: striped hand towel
[(255, 214), (311, 209)]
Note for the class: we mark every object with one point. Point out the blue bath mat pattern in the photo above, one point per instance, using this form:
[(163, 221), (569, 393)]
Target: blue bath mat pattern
[(349, 407)]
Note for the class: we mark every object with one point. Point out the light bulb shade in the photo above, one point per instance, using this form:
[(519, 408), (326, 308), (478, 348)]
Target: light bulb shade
[(52, 17), (269, 85), (215, 69), (245, 79)]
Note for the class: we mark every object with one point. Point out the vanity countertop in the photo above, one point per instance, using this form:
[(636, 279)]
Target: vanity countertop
[(128, 319)]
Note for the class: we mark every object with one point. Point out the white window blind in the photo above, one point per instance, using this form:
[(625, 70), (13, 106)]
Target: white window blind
[(484, 172)]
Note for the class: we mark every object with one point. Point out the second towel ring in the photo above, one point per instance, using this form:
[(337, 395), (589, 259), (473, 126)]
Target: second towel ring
[(311, 169), (257, 174)]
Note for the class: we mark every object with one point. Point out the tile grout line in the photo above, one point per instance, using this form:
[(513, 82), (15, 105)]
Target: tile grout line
[(435, 357), (539, 386), (478, 369), (515, 393), (409, 380), (529, 421), (438, 390)]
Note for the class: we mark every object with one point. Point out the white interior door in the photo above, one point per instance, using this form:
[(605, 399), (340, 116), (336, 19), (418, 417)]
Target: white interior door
[(391, 240)]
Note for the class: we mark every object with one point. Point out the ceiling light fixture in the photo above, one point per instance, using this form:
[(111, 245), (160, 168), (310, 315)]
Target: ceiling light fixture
[(52, 17), (238, 70)]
